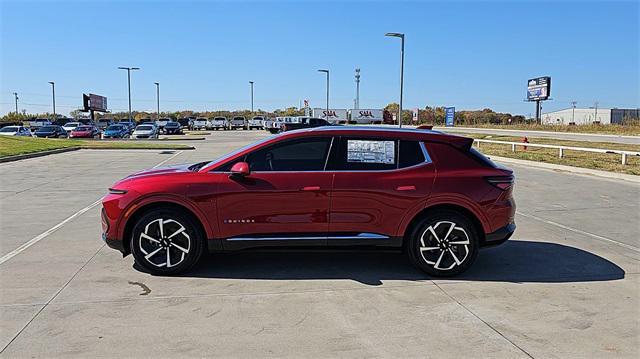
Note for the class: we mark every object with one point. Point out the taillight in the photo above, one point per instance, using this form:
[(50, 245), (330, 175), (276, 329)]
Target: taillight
[(501, 182)]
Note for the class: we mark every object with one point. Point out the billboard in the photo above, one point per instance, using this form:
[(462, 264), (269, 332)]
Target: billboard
[(539, 88), (367, 115), (449, 116), (333, 116), (414, 115), (94, 102)]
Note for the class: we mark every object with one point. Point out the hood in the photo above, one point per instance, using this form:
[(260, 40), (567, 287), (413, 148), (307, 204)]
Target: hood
[(161, 171)]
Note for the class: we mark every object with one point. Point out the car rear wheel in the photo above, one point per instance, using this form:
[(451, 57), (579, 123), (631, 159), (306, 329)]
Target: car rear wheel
[(166, 241), (443, 244)]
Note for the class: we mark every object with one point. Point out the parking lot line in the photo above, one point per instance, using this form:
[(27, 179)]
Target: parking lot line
[(46, 233), (575, 230)]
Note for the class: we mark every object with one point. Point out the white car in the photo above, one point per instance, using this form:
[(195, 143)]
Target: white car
[(200, 123), (15, 131), (237, 122), (218, 123), (145, 131), (255, 122), (70, 126)]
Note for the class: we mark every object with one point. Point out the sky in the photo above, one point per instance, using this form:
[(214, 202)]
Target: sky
[(470, 55)]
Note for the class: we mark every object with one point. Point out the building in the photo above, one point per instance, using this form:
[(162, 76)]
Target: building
[(585, 116)]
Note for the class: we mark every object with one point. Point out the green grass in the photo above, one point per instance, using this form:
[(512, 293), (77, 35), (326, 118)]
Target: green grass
[(12, 146), (627, 130), (599, 161)]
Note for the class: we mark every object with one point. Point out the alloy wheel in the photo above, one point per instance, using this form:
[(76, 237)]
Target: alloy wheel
[(444, 245), (164, 243)]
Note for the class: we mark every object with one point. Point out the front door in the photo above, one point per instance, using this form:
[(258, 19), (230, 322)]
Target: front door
[(285, 199)]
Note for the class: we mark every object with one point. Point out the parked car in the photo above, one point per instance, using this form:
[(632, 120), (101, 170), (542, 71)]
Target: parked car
[(69, 126), (303, 122), (85, 131), (145, 131), (237, 122), (218, 123), (116, 131), (162, 122), (131, 124), (429, 194), (185, 122), (103, 123), (51, 131), (255, 122), (15, 131), (39, 122), (173, 128), (200, 123)]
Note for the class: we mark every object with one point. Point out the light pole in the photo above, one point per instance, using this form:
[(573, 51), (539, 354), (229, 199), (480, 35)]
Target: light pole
[(158, 98), (326, 115), (573, 111), (357, 104), (129, 69), (401, 36), (53, 90), (15, 94), (251, 83)]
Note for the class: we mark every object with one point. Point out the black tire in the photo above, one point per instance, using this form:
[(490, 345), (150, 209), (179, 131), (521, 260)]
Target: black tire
[(190, 239), (451, 251)]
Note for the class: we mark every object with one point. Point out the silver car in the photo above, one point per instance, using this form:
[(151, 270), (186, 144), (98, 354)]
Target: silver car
[(145, 131)]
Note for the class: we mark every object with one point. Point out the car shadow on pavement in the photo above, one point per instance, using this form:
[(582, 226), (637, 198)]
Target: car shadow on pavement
[(517, 261)]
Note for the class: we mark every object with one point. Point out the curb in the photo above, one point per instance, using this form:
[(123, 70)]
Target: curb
[(570, 169), (139, 148), (37, 154), (471, 129)]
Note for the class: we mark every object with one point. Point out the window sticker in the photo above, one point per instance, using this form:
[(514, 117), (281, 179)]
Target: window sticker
[(367, 151)]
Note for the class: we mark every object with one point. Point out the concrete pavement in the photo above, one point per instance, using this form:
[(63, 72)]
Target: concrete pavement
[(551, 291)]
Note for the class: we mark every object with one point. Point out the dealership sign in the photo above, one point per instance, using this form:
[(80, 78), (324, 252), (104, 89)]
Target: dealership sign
[(94, 102), (366, 115), (331, 115), (449, 116), (539, 88)]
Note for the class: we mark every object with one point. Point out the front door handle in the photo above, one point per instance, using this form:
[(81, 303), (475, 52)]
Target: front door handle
[(406, 188), (311, 188)]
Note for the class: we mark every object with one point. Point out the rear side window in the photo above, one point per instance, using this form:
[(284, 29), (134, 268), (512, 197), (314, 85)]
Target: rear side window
[(411, 154), (365, 154)]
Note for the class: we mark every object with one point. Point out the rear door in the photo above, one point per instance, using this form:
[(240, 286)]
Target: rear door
[(377, 181)]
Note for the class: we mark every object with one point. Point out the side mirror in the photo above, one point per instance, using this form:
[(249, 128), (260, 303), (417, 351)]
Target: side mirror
[(240, 169)]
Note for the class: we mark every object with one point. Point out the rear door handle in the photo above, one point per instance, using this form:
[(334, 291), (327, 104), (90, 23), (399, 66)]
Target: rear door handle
[(406, 188), (311, 188)]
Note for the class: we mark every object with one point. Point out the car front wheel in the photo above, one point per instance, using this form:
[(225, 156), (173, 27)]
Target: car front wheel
[(166, 241), (443, 244)]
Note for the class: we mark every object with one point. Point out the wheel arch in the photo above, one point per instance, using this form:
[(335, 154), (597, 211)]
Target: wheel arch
[(444, 206), (148, 206)]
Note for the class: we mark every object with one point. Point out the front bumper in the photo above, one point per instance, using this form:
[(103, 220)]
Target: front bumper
[(115, 244), (499, 236)]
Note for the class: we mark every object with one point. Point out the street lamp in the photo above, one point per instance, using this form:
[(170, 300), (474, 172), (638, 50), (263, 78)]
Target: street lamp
[(158, 98), (251, 83), (326, 115), (401, 36), (357, 104), (53, 89), (15, 94), (129, 69)]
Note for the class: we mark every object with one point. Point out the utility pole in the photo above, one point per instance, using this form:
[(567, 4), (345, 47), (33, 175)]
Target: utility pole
[(129, 69), (251, 83), (158, 98), (53, 90), (326, 114), (573, 112), (595, 106), (357, 103), (15, 94), (401, 36)]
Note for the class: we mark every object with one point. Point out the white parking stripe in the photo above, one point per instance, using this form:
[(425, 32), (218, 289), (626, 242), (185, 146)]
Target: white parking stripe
[(37, 239), (575, 230), (45, 234)]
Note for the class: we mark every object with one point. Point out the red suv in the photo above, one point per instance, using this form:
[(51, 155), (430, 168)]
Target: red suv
[(427, 193)]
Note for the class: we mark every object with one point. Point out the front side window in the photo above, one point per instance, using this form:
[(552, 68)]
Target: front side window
[(308, 154)]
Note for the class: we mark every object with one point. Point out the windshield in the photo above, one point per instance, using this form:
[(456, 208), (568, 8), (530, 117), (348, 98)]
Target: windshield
[(219, 119), (72, 124), (83, 128), (47, 128), (115, 128), (172, 124), (10, 129), (238, 118), (144, 128), (104, 121)]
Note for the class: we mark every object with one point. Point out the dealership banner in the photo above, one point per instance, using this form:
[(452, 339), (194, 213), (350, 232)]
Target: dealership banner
[(450, 113)]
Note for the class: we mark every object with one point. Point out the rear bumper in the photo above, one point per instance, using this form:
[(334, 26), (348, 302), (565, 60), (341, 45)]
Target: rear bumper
[(500, 236)]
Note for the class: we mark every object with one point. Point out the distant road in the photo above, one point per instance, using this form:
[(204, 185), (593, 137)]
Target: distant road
[(591, 137)]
